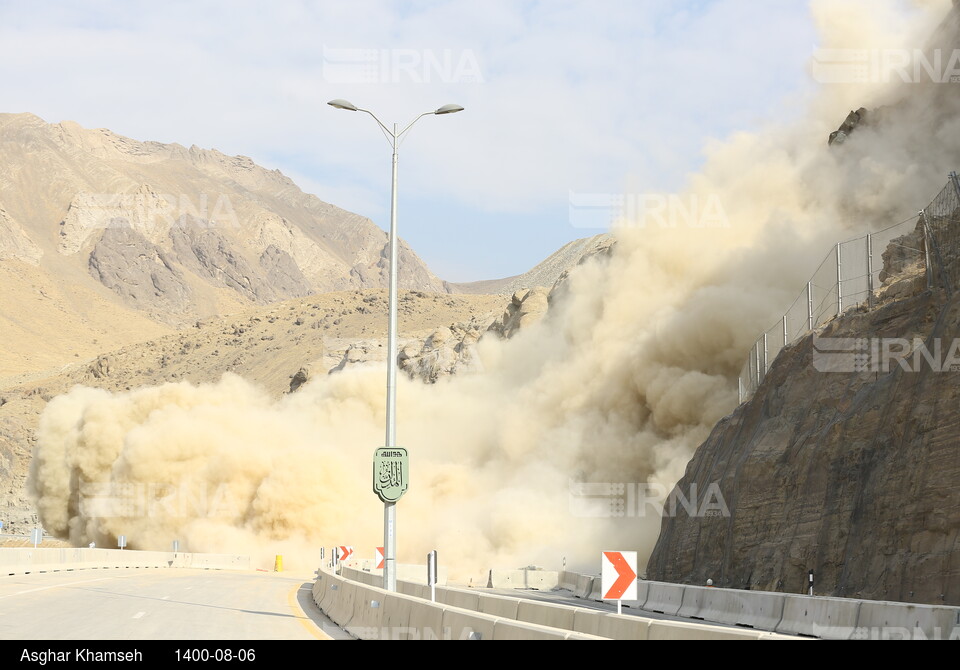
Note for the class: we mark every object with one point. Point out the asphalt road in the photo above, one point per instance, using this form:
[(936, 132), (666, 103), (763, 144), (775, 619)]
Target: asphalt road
[(161, 604)]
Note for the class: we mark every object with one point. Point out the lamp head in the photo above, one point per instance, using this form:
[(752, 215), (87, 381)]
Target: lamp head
[(343, 104), (446, 109)]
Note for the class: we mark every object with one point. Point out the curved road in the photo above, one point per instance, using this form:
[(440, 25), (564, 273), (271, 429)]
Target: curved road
[(161, 604)]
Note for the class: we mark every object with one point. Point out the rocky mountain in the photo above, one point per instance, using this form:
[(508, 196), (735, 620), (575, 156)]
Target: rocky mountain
[(850, 474), (162, 235), (546, 273)]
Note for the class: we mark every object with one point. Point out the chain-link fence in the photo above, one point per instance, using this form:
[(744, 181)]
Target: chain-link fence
[(940, 221), (856, 271)]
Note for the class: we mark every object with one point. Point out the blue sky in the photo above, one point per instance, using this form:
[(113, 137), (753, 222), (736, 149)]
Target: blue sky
[(561, 97)]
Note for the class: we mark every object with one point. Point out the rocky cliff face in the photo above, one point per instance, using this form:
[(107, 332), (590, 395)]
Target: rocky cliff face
[(851, 474)]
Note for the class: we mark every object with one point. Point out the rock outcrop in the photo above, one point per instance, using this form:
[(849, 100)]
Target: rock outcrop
[(448, 351), (851, 123), (15, 244), (526, 308), (851, 474), (141, 273)]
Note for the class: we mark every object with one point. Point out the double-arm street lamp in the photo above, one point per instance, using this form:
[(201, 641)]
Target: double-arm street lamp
[(389, 507)]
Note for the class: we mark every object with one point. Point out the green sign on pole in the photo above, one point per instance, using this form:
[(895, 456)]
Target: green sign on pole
[(391, 473)]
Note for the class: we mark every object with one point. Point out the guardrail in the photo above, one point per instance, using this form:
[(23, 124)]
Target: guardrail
[(790, 614), (24, 560)]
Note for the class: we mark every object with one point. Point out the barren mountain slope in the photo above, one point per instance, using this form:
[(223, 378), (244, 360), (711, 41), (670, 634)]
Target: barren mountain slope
[(143, 235), (267, 345)]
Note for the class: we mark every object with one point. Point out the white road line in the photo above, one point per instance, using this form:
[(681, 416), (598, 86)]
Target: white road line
[(55, 586), (165, 598), (138, 615)]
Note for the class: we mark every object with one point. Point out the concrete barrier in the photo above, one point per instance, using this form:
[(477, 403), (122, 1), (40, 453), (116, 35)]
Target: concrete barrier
[(623, 627), (676, 630), (328, 591), (541, 580), (417, 574), (361, 576), (340, 605), (584, 586), (643, 588), (757, 609), (426, 621), (317, 590), (568, 581), (504, 629), (587, 621), (459, 598), (409, 618), (885, 621), (367, 612), (691, 603), (499, 606), (416, 590), (26, 560), (396, 611), (463, 625), (402, 616), (546, 614), (664, 598), (596, 591), (827, 618)]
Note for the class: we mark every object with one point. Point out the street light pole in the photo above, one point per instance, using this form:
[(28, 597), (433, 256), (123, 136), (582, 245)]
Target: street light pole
[(390, 507)]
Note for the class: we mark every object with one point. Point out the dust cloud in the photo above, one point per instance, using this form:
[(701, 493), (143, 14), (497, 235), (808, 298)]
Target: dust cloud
[(635, 363)]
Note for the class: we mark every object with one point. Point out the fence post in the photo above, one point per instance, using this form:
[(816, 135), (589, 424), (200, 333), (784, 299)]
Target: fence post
[(810, 305), (869, 270), (740, 389), (956, 183), (766, 353), (941, 267), (756, 349), (839, 282), (926, 248), (785, 330)]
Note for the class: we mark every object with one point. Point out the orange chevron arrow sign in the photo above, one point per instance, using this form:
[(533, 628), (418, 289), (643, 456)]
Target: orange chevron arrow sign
[(619, 575), (379, 558), (345, 552)]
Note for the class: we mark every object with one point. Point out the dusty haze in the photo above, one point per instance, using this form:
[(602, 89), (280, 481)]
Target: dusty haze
[(625, 378)]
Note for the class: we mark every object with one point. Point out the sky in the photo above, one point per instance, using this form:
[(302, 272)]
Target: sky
[(562, 98)]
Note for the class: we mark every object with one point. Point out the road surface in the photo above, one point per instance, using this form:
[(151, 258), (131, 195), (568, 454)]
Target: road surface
[(161, 604)]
